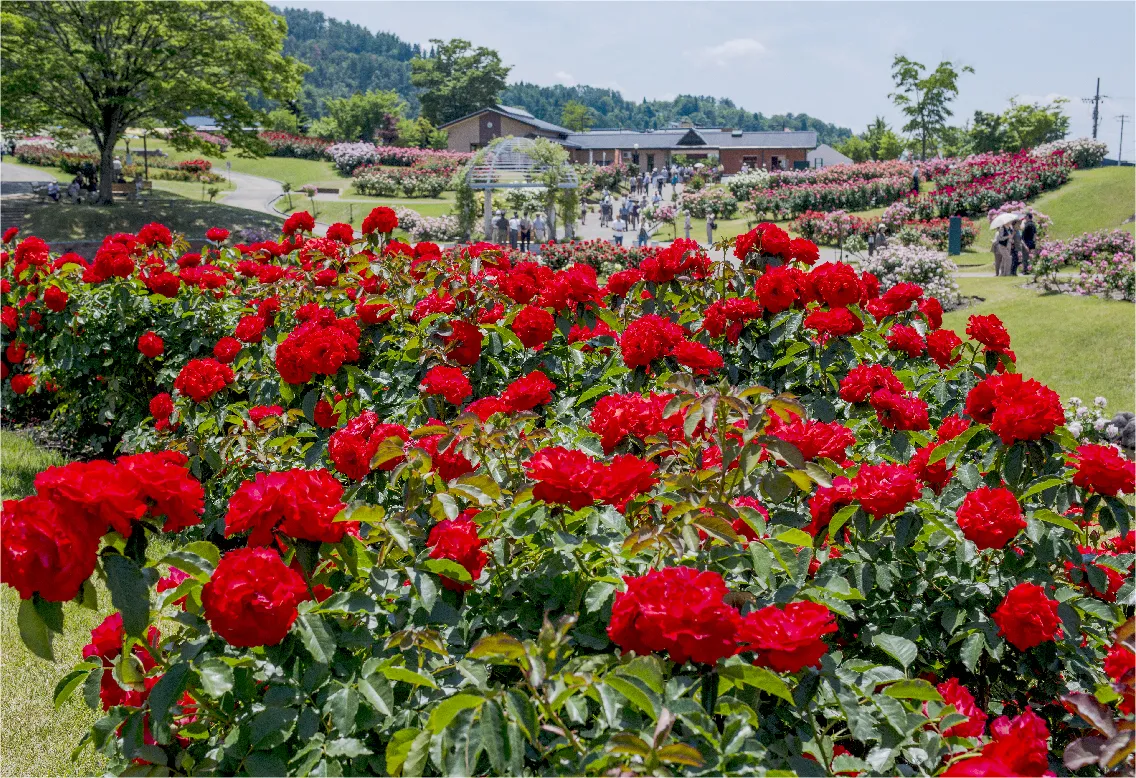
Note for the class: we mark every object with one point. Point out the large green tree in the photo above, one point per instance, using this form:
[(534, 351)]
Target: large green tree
[(576, 116), (925, 98), (104, 67), (458, 80), (370, 116)]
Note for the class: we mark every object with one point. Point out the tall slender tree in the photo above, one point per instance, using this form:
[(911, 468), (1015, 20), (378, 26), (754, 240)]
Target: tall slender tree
[(103, 67), (925, 99), (458, 79)]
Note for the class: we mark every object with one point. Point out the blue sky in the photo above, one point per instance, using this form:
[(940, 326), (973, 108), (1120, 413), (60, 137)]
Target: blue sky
[(829, 59)]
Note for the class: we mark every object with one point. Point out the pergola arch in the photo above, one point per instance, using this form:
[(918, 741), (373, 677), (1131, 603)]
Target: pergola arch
[(509, 164)]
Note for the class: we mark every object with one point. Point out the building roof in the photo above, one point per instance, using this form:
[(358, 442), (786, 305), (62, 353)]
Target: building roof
[(828, 156), (519, 114), (690, 138)]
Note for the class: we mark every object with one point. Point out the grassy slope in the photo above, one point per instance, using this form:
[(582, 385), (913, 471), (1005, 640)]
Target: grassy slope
[(1099, 199), (37, 739), (1078, 346)]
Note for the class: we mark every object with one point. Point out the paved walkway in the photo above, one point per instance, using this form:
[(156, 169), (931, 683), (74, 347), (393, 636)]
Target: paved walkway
[(17, 179), (257, 193)]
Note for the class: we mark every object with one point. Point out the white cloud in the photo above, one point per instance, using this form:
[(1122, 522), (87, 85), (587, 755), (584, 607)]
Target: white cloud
[(564, 78), (724, 53)]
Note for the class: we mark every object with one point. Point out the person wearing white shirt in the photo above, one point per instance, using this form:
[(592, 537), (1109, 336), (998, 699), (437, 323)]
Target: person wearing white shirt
[(617, 228), (514, 230)]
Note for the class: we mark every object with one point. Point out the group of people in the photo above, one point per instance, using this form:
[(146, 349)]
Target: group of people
[(657, 177), (629, 210), (1013, 244), (519, 230)]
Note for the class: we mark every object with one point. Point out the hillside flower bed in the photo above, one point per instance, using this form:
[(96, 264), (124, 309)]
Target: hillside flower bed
[(378, 181), (830, 228), (1042, 221), (857, 195), (447, 513), (1080, 152), (841, 174), (285, 144), (1104, 260), (982, 182)]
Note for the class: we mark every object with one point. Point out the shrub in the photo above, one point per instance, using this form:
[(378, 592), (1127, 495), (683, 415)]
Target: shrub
[(710, 200), (376, 181), (348, 156), (853, 195), (930, 269), (220, 141), (1103, 259), (1042, 221), (741, 185), (38, 154), (483, 517), (431, 228), (286, 144), (979, 183)]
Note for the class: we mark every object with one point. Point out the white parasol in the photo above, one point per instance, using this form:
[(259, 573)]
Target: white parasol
[(1004, 218)]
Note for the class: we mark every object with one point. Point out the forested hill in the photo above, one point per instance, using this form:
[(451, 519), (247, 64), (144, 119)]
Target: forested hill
[(346, 58), (610, 109)]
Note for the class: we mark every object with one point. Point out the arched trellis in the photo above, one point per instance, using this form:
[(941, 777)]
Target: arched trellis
[(509, 164)]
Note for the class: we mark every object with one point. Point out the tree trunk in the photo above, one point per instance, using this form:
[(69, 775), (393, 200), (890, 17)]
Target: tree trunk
[(110, 134)]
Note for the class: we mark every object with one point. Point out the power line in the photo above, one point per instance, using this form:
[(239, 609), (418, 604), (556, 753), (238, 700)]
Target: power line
[(1120, 147), (1096, 101)]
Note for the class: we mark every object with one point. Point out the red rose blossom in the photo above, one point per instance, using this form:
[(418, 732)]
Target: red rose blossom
[(251, 598), (200, 379), (885, 489), (990, 517), (300, 504), (457, 540), (788, 639), (150, 345), (46, 550), (448, 382), (533, 326), (1103, 470), (526, 393), (954, 693), (382, 220), (1027, 617)]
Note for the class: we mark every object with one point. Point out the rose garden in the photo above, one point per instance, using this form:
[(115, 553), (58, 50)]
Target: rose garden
[(385, 497)]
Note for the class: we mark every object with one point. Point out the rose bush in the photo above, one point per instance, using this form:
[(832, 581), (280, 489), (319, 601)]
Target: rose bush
[(454, 512)]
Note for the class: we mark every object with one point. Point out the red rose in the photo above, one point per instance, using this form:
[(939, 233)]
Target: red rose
[(563, 477), (376, 313), (534, 326), (1103, 470), (1015, 409), (151, 345), (990, 332), (526, 393), (200, 379), (623, 480), (954, 693), (352, 447), (486, 407), (226, 349), (773, 240), (161, 406), (838, 284), (678, 611), (804, 251), (863, 380), (55, 299), (320, 345), (618, 416), (449, 463), (457, 540), (826, 501), (448, 382), (936, 475), (252, 596), (700, 359), (301, 221), (835, 323), (885, 489), (341, 232), (250, 329), (932, 311), (620, 282), (790, 639), (16, 352), (162, 283), (1027, 617), (941, 346), (907, 339), (463, 344), (300, 504), (155, 235), (778, 289), (106, 645), (216, 234), (23, 383), (95, 494), (382, 220), (10, 234), (990, 517), (812, 438), (648, 338), (325, 415), (900, 411), (164, 482), (1021, 744), (258, 413), (46, 550)]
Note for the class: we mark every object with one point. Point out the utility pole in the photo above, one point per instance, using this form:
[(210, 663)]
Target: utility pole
[(1096, 107), (1120, 147)]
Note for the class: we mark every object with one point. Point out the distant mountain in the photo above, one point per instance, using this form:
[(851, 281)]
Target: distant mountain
[(346, 58), (612, 110)]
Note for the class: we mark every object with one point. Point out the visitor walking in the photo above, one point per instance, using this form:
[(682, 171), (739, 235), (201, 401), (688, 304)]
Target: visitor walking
[(643, 235), (686, 226), (538, 230), (915, 179), (502, 228), (710, 225), (881, 237), (1015, 249), (634, 214), (617, 229), (1001, 249), (583, 212), (1029, 240), (526, 233)]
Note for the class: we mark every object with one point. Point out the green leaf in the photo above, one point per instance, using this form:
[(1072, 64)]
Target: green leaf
[(795, 537), (913, 689), (342, 706), (272, 727), (900, 649), (408, 676), (491, 728), (759, 678), (419, 750), (398, 748), (216, 677), (70, 682), (680, 753), (1041, 486), (378, 694), (445, 711), (628, 744), (425, 586), (1050, 517), (165, 694), (633, 693), (188, 562), (346, 746), (597, 595), (128, 592), (447, 568), (648, 669), (34, 632), (972, 650), (316, 638), (500, 647), (840, 518)]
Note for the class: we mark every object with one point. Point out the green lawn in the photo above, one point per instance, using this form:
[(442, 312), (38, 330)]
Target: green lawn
[(37, 739), (353, 211), (1098, 199), (1078, 346), (61, 222)]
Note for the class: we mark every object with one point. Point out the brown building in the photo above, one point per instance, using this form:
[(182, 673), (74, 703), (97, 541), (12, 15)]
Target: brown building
[(648, 149)]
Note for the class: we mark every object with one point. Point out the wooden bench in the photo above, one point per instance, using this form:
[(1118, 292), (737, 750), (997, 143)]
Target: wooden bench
[(130, 188)]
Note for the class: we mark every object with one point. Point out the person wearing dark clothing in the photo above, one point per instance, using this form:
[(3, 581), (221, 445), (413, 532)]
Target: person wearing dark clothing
[(915, 180), (1029, 240), (1015, 249)]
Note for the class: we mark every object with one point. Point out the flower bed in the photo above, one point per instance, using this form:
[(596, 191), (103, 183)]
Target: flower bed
[(378, 181), (828, 228), (1079, 152), (977, 184), (796, 199), (841, 174), (709, 200), (285, 144), (347, 157), (931, 270), (450, 513), (220, 141), (1103, 259), (430, 228)]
